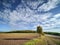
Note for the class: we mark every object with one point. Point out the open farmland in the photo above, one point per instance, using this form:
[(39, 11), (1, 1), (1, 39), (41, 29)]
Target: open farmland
[(16, 38), (27, 39)]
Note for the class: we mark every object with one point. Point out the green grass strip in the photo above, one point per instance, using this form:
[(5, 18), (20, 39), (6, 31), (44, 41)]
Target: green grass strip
[(37, 41)]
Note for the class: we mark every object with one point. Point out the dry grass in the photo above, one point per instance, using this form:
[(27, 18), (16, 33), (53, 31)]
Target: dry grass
[(17, 35)]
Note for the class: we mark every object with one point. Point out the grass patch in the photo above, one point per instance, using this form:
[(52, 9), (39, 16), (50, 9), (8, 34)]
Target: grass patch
[(37, 41)]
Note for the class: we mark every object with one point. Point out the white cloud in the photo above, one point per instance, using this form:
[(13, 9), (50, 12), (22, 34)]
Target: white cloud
[(33, 4), (53, 22), (57, 15), (20, 17), (49, 5), (24, 17)]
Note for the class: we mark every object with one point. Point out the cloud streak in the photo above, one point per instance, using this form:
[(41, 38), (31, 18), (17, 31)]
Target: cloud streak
[(24, 17)]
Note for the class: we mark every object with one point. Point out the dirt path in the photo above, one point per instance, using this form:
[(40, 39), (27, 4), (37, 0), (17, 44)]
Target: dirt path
[(50, 39), (54, 36), (50, 42)]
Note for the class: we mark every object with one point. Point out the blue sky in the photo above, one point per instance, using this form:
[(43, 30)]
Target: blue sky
[(28, 14)]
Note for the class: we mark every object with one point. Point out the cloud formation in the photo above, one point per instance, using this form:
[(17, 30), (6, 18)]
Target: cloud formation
[(26, 15), (49, 5)]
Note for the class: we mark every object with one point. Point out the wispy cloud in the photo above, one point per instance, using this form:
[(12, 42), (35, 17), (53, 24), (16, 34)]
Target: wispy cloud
[(24, 17), (49, 5)]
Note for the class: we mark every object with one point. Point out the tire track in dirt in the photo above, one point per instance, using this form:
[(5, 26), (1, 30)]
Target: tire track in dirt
[(49, 41)]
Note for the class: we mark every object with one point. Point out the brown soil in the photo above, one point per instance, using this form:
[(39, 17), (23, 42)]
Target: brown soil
[(16, 39)]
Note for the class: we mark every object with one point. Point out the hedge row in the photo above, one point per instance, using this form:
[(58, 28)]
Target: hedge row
[(22, 31), (52, 33)]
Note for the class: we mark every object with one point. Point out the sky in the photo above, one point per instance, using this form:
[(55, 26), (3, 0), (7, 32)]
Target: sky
[(28, 14)]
